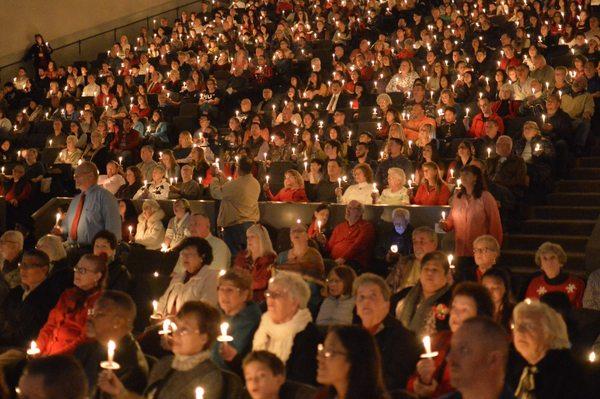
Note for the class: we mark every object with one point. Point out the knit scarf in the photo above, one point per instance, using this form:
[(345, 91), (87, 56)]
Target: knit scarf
[(414, 314), (279, 338), (186, 363), (526, 387)]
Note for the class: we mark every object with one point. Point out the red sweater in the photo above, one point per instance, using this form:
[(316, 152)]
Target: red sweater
[(289, 195), (65, 327), (125, 141), (440, 342), (431, 196), (352, 242), (260, 270), (477, 128), (570, 285)]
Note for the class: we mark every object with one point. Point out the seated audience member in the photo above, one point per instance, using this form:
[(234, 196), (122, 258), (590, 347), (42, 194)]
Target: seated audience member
[(234, 294), (591, 295), (197, 282), (178, 225), (486, 251), (190, 366), (65, 327), (325, 190), (292, 191), (465, 156), (394, 159), (265, 377), (424, 307), (150, 231), (432, 378), (26, 307), (11, 248), (158, 188), (111, 319), (148, 164), (406, 269), (189, 188), (397, 345), (507, 169), (477, 360), (257, 258), (113, 180), (545, 368), (352, 241), (362, 190), (579, 105), (477, 124), (53, 377), (395, 241), (395, 193), (551, 258), (133, 182), (497, 281), (350, 365), (338, 306), (17, 194), (432, 190), (71, 154), (539, 155), (286, 328), (486, 144), (60, 272), (301, 258), (119, 279)]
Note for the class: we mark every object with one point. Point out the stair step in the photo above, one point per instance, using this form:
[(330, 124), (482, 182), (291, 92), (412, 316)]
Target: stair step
[(515, 257), (578, 186), (566, 212), (529, 271), (589, 162), (585, 173), (567, 227), (571, 199), (532, 242)]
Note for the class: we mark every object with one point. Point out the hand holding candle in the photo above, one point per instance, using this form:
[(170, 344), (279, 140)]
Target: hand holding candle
[(199, 393), (33, 349), (427, 345), (224, 337), (110, 364)]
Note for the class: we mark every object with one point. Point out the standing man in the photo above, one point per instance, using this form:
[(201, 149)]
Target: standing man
[(239, 204), (91, 211)]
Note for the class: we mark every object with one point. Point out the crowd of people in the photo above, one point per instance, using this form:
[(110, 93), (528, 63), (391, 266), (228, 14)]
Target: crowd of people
[(481, 106)]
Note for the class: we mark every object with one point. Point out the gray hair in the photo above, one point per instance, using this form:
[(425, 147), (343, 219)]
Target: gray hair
[(401, 213), (550, 321), (56, 248), (295, 286), (427, 230), (373, 279), (14, 235)]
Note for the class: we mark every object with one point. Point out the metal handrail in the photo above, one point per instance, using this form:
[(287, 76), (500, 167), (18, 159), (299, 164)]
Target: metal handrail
[(114, 30)]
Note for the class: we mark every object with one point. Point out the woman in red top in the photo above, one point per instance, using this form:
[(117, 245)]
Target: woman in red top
[(432, 378), (17, 191), (292, 191), (257, 258), (432, 190), (65, 328)]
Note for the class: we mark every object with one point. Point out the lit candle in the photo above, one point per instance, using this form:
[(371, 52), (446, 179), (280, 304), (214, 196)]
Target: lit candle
[(443, 215), (224, 337), (394, 249), (305, 166), (452, 173), (166, 327), (319, 225), (409, 184), (267, 177), (537, 148), (33, 349), (427, 344), (381, 154), (375, 188), (199, 180), (145, 182), (57, 214), (543, 118), (110, 364), (340, 182), (450, 259), (164, 247), (489, 151), (293, 150), (467, 111), (199, 393), (592, 357), (19, 154), (155, 310), (3, 170), (458, 183), (121, 160)]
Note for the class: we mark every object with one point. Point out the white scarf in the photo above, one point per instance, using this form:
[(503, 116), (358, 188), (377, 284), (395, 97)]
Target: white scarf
[(186, 363), (279, 338)]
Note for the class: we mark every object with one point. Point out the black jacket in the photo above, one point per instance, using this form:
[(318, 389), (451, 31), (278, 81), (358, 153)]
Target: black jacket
[(134, 367), (21, 319), (399, 351), (301, 366)]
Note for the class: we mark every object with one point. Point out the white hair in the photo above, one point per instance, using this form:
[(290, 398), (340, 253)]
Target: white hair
[(295, 286)]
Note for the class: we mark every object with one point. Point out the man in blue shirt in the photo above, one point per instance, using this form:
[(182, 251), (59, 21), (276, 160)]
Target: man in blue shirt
[(93, 210)]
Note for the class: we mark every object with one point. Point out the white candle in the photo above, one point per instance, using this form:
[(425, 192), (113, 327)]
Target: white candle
[(543, 118), (264, 154), (427, 345), (410, 184), (394, 249), (319, 226), (130, 228), (224, 337), (467, 111), (154, 309), (450, 259), (166, 327), (3, 170), (340, 182), (33, 349), (57, 214), (452, 173), (199, 393), (537, 148), (305, 166), (375, 188), (443, 215), (592, 357), (458, 183), (489, 151), (110, 364), (121, 160), (267, 177), (164, 247)]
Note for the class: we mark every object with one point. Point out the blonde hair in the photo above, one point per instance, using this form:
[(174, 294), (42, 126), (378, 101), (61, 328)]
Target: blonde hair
[(550, 248), (265, 245), (151, 204), (56, 250), (489, 241), (14, 235), (399, 172), (552, 323), (296, 176)]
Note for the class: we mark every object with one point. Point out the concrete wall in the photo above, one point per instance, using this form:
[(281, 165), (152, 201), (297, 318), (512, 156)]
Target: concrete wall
[(65, 21)]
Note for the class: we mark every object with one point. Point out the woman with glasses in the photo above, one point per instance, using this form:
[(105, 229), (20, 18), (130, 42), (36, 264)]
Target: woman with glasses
[(545, 367), (234, 293), (337, 308), (350, 365), (65, 327), (486, 251), (193, 332), (286, 328)]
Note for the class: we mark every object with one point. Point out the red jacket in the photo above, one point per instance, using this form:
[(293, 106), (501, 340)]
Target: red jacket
[(65, 327), (289, 195), (260, 270), (477, 128), (125, 141), (352, 242), (440, 342), (424, 196), (513, 108)]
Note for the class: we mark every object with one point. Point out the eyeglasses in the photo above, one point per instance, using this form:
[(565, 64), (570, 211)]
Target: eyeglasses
[(524, 326), (274, 294), (482, 250), (327, 354), (82, 270)]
